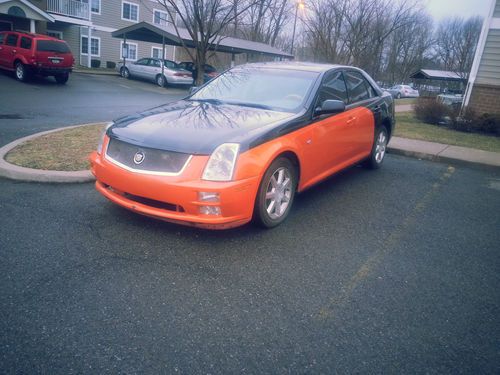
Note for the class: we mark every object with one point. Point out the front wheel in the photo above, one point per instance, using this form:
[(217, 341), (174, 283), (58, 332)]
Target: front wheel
[(379, 149), (62, 78), (276, 193), (124, 72), (21, 72)]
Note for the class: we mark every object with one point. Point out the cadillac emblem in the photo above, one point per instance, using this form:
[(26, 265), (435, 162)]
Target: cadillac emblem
[(139, 157)]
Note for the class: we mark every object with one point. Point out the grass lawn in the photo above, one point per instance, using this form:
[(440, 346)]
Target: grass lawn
[(405, 101), (65, 150), (407, 126)]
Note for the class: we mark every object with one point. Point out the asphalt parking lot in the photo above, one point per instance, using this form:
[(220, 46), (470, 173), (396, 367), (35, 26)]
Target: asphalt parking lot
[(389, 271)]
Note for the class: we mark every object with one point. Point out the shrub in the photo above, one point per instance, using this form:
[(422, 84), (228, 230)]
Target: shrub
[(430, 111), (110, 64), (95, 63), (471, 122)]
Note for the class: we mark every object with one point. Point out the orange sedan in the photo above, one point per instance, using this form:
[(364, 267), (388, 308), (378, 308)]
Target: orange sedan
[(241, 146)]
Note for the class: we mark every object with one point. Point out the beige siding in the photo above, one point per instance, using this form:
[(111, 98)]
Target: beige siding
[(496, 12), (489, 67)]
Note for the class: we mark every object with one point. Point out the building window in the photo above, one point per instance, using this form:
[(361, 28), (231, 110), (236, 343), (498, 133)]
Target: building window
[(160, 17), (55, 34), (131, 51), (156, 52), (95, 6), (130, 11), (95, 46)]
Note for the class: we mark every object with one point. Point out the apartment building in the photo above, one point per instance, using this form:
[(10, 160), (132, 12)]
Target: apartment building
[(483, 89), (86, 25)]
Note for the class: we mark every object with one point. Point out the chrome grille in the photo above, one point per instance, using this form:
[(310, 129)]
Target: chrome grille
[(144, 159)]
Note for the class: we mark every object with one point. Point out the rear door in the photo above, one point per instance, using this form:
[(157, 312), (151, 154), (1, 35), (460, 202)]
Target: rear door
[(364, 108), (53, 53), (137, 68)]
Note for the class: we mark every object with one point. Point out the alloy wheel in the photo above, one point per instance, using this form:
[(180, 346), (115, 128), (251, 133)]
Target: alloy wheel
[(380, 146), (278, 193)]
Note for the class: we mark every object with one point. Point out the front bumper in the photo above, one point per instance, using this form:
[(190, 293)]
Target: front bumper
[(175, 198)]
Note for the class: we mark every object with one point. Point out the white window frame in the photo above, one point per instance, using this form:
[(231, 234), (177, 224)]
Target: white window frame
[(165, 13), (89, 46), (55, 32), (90, 1), (131, 4), (136, 50), (159, 49)]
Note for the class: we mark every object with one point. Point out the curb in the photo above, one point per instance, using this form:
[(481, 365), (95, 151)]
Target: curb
[(96, 72), (16, 172)]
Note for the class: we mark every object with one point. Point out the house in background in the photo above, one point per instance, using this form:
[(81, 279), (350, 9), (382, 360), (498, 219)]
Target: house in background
[(87, 26), (483, 89)]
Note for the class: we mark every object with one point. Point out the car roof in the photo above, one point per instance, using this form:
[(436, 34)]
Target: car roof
[(33, 35), (296, 65)]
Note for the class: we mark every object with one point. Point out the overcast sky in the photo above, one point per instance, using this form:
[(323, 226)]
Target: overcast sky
[(464, 8)]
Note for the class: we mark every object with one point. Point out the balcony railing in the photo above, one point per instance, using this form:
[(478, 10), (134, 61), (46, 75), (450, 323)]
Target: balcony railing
[(70, 8)]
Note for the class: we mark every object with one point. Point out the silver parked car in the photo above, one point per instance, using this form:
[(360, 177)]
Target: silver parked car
[(150, 68), (403, 91)]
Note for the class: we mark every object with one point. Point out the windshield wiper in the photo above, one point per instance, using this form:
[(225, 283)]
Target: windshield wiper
[(252, 105), (208, 100)]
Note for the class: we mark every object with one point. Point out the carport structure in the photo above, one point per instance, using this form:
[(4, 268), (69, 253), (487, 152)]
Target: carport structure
[(148, 32), (432, 82)]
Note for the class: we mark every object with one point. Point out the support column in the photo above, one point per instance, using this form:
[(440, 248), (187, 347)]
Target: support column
[(89, 45), (32, 26), (123, 50), (232, 60), (163, 59)]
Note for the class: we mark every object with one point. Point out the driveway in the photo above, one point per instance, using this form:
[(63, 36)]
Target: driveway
[(27, 108), (389, 271)]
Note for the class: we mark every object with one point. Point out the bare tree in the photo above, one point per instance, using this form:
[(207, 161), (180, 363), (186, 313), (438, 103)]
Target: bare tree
[(456, 41), (204, 21)]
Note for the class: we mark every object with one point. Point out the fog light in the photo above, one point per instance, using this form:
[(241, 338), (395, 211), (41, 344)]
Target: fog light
[(208, 196), (209, 210)]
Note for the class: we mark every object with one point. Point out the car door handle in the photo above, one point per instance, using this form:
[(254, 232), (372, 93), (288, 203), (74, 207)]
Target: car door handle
[(351, 120)]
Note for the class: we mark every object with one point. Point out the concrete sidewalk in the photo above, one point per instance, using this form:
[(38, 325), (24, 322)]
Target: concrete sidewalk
[(443, 153), (402, 146)]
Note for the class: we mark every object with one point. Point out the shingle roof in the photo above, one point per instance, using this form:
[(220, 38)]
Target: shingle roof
[(148, 32)]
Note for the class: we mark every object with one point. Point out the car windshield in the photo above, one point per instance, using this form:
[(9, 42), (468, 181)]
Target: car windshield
[(52, 46), (275, 89)]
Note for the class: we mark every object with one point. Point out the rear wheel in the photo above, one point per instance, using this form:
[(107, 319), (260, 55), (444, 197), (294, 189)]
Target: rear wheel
[(21, 72), (398, 96), (62, 78), (161, 80), (124, 72), (378, 150), (276, 193)]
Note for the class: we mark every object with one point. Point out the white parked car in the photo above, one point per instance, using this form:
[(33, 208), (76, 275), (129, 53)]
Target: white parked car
[(403, 91), (150, 68)]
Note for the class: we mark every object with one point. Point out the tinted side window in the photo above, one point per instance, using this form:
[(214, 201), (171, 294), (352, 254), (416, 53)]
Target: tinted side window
[(155, 63), (25, 43), (142, 62), (2, 37), (356, 87), (11, 40), (333, 88)]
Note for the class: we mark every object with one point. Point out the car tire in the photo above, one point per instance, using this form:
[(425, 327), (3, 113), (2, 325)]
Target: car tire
[(379, 149), (62, 78), (277, 189), (21, 72), (398, 96), (161, 80), (124, 72)]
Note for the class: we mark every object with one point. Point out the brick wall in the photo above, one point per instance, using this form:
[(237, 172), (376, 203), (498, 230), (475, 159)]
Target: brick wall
[(485, 99)]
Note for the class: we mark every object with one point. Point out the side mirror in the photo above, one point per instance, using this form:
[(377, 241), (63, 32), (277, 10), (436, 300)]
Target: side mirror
[(330, 107), (193, 89)]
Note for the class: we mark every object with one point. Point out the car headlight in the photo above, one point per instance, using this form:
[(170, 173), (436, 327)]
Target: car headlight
[(101, 139), (220, 166)]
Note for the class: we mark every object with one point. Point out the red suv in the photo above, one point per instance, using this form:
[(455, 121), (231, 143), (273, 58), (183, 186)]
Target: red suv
[(28, 54)]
